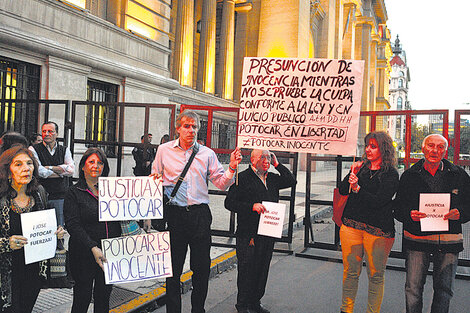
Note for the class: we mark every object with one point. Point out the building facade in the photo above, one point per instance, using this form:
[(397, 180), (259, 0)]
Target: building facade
[(399, 86), (181, 52)]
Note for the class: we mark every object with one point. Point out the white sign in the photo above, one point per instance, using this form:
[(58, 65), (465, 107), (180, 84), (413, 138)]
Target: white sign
[(130, 198), (137, 258), (39, 228), (272, 221), (435, 205), (300, 105)]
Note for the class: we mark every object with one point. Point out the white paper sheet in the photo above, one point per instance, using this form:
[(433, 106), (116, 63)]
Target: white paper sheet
[(435, 205), (272, 221), (39, 227)]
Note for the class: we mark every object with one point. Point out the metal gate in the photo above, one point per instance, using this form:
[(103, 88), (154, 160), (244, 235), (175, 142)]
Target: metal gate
[(326, 248), (133, 121)]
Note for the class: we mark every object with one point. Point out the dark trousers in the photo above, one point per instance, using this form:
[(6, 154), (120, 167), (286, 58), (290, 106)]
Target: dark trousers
[(253, 269), (189, 227), (25, 291), (89, 279)]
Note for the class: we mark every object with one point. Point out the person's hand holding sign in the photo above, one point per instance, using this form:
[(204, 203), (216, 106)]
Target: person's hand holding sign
[(98, 255), (17, 242), (259, 208), (235, 159), (417, 215), (453, 214)]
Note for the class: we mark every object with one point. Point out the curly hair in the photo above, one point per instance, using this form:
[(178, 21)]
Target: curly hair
[(5, 161), (386, 149), (100, 153)]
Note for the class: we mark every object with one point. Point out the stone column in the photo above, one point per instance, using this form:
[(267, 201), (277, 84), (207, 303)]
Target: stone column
[(241, 46), (349, 31), (224, 77), (339, 29), (206, 60), (183, 56)]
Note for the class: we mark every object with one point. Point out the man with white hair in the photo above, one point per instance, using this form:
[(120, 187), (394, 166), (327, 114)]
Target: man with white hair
[(433, 174), (254, 252)]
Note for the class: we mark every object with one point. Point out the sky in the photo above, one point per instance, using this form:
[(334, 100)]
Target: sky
[(434, 35)]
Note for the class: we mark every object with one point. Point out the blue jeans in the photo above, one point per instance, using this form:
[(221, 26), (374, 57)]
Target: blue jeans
[(58, 205), (443, 276)]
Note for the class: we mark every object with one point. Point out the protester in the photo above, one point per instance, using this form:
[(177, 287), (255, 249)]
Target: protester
[(144, 155), (254, 252), (433, 174), (165, 138), (55, 167), (81, 217), (368, 225), (19, 193), (11, 138), (188, 215), (35, 139)]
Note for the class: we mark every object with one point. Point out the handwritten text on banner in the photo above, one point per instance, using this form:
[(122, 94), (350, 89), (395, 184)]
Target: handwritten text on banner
[(300, 105), (137, 258), (130, 198)]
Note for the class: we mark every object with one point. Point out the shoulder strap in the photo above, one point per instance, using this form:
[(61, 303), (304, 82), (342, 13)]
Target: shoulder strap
[(185, 170), (42, 194)]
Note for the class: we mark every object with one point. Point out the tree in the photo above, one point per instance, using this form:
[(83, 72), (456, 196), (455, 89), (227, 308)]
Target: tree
[(418, 133)]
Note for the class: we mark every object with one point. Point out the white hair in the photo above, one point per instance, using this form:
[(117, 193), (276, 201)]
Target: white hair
[(435, 135)]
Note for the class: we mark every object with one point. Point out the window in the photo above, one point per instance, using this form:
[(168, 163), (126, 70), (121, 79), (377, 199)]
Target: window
[(400, 83), (100, 119), (18, 81), (399, 103)]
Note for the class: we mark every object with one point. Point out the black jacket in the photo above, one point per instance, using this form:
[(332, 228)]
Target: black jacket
[(251, 190), (372, 207), (457, 183), (81, 218)]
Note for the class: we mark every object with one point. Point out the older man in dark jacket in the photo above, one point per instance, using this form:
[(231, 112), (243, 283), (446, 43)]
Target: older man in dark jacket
[(433, 174), (254, 252)]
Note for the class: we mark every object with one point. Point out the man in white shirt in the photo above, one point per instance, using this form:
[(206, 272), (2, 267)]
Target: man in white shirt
[(187, 213), (55, 167)]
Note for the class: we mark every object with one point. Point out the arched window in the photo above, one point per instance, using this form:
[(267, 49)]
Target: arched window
[(400, 83), (402, 74), (399, 103)]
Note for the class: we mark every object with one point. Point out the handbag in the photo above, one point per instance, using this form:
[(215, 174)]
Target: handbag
[(57, 265), (339, 202)]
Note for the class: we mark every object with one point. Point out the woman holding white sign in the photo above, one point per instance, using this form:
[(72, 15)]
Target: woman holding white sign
[(86, 232), (368, 226), (20, 193)]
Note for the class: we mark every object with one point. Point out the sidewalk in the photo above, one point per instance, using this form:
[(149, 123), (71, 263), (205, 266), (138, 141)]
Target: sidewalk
[(132, 297)]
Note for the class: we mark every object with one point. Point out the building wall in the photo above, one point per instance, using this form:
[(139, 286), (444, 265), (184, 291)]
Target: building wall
[(141, 45)]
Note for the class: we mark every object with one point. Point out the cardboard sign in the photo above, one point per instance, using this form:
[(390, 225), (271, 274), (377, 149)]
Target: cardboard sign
[(130, 198), (435, 205), (271, 222), (137, 258), (39, 227), (300, 105)]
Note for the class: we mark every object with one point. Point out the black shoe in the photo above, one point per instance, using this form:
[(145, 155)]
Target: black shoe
[(260, 309)]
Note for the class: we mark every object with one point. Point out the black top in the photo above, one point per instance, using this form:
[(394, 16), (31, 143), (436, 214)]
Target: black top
[(251, 190), (81, 218), (56, 187), (371, 208), (450, 179), (141, 156)]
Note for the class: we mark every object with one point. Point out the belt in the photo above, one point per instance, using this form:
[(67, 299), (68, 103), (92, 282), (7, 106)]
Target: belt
[(188, 208)]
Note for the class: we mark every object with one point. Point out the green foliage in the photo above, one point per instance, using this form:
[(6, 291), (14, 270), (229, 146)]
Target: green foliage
[(418, 133)]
